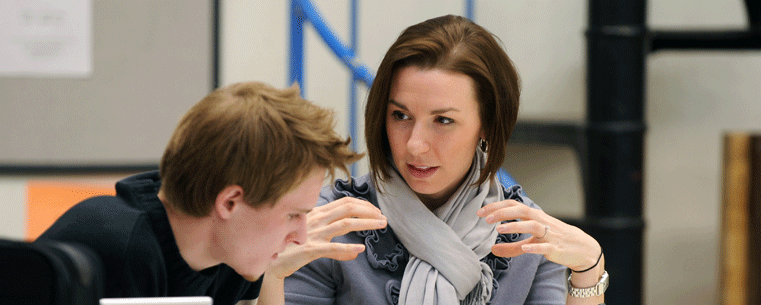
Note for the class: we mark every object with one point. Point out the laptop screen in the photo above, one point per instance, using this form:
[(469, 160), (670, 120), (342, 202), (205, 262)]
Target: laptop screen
[(158, 301)]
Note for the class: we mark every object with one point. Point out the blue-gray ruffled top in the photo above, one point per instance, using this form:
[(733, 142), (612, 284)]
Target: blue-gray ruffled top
[(375, 276), (384, 251)]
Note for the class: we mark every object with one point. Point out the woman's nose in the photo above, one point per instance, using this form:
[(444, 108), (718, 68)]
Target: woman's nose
[(418, 142)]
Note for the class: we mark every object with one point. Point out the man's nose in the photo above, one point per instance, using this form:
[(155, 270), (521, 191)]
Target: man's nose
[(299, 236)]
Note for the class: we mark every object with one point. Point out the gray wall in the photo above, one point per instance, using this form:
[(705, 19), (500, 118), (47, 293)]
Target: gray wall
[(152, 60)]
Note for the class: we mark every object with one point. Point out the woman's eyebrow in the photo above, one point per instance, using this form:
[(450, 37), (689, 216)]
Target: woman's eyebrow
[(444, 110), (437, 111), (397, 104)]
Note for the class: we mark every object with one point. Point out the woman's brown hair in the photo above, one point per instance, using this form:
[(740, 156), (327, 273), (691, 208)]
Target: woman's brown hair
[(263, 139), (456, 44)]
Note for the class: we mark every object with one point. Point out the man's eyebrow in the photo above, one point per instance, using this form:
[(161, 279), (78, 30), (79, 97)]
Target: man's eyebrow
[(437, 111)]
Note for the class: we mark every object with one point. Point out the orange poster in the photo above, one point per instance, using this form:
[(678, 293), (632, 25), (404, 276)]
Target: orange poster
[(48, 200)]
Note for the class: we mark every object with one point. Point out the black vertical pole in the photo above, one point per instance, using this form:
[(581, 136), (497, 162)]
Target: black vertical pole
[(215, 20), (616, 52), (753, 8)]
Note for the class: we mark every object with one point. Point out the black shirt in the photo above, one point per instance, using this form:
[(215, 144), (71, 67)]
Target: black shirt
[(131, 234)]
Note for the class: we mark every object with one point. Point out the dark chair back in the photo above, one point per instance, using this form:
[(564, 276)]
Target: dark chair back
[(49, 273)]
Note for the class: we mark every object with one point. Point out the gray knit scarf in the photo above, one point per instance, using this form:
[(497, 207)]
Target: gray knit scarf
[(446, 246)]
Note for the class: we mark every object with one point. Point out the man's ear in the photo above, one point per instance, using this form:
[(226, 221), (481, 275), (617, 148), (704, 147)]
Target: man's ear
[(230, 198)]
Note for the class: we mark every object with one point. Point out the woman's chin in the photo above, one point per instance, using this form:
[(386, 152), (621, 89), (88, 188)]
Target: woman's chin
[(422, 188)]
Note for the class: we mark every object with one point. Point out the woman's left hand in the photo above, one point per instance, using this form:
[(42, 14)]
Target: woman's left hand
[(559, 242)]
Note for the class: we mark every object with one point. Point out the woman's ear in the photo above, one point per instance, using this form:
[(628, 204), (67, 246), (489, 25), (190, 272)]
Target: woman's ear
[(230, 198)]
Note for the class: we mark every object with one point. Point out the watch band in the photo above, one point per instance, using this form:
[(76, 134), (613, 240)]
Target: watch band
[(595, 290)]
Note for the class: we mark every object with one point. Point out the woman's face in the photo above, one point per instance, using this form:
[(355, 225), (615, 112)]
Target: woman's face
[(433, 128)]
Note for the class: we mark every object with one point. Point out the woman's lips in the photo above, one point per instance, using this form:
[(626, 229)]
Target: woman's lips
[(421, 172)]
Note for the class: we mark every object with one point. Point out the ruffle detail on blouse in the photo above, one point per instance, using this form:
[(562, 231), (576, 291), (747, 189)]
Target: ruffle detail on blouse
[(344, 188), (383, 250), (393, 288), (514, 192)]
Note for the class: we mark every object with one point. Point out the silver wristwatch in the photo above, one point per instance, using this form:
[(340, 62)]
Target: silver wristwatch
[(595, 290)]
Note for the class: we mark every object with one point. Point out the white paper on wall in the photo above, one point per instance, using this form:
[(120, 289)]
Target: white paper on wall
[(42, 38)]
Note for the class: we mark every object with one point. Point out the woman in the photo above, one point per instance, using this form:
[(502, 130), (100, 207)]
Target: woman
[(438, 117)]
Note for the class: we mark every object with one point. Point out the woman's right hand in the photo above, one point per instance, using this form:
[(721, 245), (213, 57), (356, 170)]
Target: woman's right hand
[(323, 223)]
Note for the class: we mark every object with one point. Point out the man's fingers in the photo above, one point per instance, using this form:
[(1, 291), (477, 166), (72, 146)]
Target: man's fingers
[(344, 208), (297, 256), (346, 225), (338, 251)]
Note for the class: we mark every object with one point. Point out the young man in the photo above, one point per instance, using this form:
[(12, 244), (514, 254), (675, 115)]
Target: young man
[(236, 180)]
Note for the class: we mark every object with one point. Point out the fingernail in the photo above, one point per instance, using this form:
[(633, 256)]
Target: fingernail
[(358, 248), (527, 248), (501, 229), (490, 218), (480, 212), (381, 223)]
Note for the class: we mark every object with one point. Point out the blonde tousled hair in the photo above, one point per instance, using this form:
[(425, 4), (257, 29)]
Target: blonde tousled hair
[(249, 134)]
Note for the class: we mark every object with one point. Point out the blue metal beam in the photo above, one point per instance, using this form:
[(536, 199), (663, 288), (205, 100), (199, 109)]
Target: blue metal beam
[(353, 87), (297, 46), (469, 13), (345, 54)]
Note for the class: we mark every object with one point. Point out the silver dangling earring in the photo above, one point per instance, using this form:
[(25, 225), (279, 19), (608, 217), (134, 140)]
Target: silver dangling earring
[(483, 145)]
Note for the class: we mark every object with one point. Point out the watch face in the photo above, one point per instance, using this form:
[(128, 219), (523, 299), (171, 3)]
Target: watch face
[(595, 290)]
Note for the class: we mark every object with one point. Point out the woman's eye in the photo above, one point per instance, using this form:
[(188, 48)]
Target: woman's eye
[(294, 216), (444, 120), (399, 115)]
